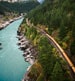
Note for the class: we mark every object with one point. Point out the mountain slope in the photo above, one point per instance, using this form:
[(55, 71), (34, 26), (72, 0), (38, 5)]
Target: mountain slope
[(20, 7), (3, 9), (57, 16)]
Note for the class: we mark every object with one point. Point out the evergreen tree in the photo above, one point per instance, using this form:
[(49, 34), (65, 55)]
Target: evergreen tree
[(57, 74), (63, 30), (46, 57), (72, 48)]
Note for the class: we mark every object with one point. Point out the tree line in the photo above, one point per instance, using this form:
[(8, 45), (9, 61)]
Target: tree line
[(17, 7), (57, 15)]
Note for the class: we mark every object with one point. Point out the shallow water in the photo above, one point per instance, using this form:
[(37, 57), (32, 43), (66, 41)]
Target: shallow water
[(12, 64)]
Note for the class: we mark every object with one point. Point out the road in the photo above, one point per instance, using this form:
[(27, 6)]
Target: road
[(60, 50)]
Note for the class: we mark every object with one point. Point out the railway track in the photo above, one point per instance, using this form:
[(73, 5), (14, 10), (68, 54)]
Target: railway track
[(60, 50)]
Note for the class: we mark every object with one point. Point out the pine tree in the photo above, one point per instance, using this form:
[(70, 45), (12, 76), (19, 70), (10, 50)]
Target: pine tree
[(63, 31), (57, 74)]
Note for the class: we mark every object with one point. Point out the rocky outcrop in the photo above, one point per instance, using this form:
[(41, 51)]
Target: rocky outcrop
[(29, 51)]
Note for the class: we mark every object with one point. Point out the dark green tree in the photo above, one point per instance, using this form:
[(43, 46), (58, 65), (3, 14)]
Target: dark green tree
[(63, 30), (72, 48), (46, 57), (57, 74)]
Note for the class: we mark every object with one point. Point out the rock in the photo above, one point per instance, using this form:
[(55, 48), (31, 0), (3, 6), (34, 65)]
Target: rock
[(24, 47), (1, 28), (26, 78), (29, 52), (18, 43), (20, 37), (25, 54)]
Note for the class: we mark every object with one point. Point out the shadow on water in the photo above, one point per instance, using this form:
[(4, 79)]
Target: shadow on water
[(0, 43), (0, 46)]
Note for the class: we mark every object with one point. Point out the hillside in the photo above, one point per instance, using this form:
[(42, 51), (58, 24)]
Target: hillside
[(11, 10), (20, 7), (3, 9), (57, 18)]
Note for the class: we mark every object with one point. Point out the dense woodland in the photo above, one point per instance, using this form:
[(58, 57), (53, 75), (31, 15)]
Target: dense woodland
[(17, 7), (3, 9), (48, 65), (59, 17), (56, 17)]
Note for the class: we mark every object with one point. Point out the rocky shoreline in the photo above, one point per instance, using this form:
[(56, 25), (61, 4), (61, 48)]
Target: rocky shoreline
[(6, 23), (29, 51)]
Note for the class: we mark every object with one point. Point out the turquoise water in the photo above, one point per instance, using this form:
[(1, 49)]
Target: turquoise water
[(12, 64)]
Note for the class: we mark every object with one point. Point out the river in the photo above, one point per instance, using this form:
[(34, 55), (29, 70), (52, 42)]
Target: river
[(12, 64)]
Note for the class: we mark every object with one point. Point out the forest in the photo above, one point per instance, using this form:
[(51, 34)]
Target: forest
[(48, 65), (57, 18), (17, 7)]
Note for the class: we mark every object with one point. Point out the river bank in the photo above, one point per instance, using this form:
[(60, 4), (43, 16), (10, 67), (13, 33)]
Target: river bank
[(6, 23), (29, 51)]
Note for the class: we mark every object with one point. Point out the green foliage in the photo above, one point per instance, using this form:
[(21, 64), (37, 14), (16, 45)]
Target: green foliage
[(63, 31), (3, 9), (72, 48), (31, 33), (73, 31), (57, 74), (56, 14), (20, 7), (46, 57), (41, 77)]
